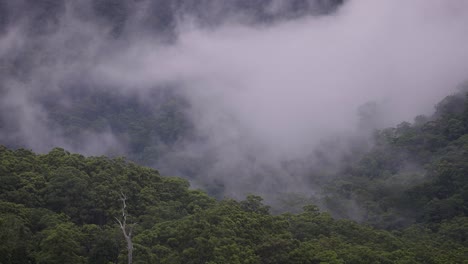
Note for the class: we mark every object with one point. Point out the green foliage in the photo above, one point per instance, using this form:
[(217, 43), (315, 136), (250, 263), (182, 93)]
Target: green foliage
[(14, 234), (149, 129), (415, 173), (60, 244), (60, 208)]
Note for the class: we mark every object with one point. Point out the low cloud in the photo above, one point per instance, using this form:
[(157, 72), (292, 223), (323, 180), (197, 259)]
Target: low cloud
[(265, 97)]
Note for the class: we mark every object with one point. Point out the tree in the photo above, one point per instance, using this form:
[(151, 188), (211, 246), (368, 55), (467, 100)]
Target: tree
[(61, 244), (126, 229)]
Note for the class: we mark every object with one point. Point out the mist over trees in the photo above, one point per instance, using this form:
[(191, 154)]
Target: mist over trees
[(60, 208), (304, 131), (224, 93)]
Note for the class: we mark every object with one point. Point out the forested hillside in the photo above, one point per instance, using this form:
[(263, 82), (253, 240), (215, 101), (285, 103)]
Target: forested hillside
[(277, 119), (148, 130), (63, 208), (414, 173), (51, 53)]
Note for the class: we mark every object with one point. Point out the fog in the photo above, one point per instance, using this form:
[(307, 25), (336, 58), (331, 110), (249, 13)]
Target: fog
[(264, 97)]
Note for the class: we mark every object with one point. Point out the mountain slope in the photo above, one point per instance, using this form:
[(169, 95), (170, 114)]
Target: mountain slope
[(415, 172), (61, 208)]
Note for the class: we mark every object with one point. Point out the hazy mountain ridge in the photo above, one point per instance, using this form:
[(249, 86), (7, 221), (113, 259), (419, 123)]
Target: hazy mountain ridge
[(284, 99), (246, 107), (59, 208), (415, 170), (52, 86), (157, 16)]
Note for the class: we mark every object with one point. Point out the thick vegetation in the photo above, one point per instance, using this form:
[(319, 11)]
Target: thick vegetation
[(62, 208), (408, 195), (147, 130), (416, 173)]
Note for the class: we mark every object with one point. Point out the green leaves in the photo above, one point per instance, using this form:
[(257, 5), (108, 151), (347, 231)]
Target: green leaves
[(61, 244), (60, 208), (14, 234)]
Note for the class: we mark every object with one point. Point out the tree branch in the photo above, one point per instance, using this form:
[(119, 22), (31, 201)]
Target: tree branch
[(123, 226)]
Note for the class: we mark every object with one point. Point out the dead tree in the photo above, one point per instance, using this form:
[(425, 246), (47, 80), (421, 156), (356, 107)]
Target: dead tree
[(126, 229)]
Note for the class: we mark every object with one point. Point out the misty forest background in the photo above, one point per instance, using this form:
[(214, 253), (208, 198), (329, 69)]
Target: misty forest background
[(75, 139)]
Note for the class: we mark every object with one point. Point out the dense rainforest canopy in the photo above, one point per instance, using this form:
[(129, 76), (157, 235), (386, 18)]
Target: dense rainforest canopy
[(62, 208), (69, 79)]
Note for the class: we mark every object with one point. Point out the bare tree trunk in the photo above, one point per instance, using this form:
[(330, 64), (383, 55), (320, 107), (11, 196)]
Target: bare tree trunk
[(126, 230)]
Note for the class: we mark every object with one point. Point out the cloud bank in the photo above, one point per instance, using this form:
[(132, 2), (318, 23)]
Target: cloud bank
[(264, 97)]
